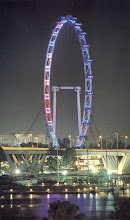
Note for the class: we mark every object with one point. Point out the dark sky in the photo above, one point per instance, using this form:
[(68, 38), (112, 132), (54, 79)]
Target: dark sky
[(25, 29)]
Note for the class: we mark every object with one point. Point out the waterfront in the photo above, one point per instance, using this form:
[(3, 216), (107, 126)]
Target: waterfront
[(33, 206)]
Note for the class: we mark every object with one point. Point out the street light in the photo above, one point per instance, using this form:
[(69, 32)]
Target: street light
[(30, 137), (116, 134), (126, 137), (53, 142), (117, 161), (57, 165), (106, 162), (86, 146), (101, 141), (70, 139)]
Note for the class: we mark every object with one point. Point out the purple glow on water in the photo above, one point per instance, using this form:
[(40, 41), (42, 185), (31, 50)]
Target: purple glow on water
[(36, 207)]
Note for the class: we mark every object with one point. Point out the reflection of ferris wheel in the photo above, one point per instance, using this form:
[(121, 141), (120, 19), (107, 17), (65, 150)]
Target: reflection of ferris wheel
[(87, 73)]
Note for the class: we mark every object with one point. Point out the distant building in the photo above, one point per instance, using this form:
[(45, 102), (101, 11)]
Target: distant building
[(6, 139), (15, 139), (41, 138)]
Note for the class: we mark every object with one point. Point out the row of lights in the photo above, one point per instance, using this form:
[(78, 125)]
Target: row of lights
[(66, 190), (48, 196)]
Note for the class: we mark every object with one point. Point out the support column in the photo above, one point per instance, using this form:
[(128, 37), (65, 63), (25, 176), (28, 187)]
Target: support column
[(122, 164), (12, 167), (42, 162), (78, 90), (34, 160), (54, 89), (104, 161)]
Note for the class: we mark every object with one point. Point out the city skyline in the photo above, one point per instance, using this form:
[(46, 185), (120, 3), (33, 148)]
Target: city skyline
[(24, 40)]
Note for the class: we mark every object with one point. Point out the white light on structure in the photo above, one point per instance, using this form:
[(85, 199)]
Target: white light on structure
[(64, 172), (94, 170), (46, 172), (17, 171), (119, 171), (109, 172)]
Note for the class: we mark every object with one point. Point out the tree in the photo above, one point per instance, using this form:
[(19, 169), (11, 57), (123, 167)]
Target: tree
[(52, 163), (128, 146), (64, 143), (69, 157), (51, 151), (121, 145), (122, 209), (64, 211), (93, 146)]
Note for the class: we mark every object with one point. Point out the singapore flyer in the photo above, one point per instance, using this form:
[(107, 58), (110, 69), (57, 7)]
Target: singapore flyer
[(87, 74)]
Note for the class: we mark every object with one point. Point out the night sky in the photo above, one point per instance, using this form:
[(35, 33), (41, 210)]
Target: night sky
[(25, 30)]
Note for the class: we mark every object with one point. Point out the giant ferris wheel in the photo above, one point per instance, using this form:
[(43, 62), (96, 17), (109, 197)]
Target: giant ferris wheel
[(87, 74)]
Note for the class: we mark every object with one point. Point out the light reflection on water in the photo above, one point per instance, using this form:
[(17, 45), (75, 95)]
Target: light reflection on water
[(94, 206), (11, 196), (48, 196), (78, 195), (84, 195), (31, 196), (66, 196)]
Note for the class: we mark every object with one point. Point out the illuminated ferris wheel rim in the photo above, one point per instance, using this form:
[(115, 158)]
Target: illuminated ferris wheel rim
[(87, 73)]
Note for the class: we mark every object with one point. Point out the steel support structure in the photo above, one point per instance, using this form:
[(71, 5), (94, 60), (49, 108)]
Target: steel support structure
[(54, 90)]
